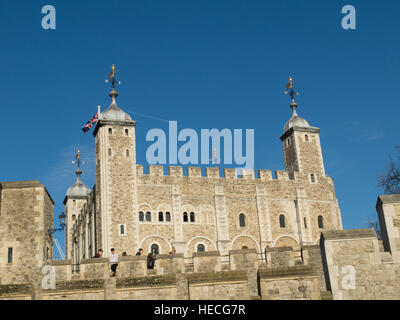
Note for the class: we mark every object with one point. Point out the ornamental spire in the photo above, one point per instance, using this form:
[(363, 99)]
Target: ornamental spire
[(113, 80), (78, 163), (292, 93)]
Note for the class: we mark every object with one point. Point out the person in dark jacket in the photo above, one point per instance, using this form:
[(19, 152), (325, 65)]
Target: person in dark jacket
[(150, 261), (140, 252), (99, 254)]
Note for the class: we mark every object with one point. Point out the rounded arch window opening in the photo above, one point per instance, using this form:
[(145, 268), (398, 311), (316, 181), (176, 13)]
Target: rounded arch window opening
[(155, 249)]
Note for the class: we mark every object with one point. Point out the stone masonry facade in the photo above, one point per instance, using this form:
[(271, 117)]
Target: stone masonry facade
[(236, 237), (26, 215), (158, 211)]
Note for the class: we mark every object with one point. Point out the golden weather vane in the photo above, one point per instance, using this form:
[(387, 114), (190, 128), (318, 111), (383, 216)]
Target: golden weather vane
[(290, 89), (214, 158), (78, 160), (112, 78)]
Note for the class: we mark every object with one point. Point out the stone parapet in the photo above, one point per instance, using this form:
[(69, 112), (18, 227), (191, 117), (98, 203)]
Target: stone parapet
[(280, 257), (207, 261), (134, 266)]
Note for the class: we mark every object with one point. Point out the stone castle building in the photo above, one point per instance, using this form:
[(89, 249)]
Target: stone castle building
[(128, 209), (236, 237)]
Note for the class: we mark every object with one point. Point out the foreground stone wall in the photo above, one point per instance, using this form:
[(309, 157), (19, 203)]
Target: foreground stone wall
[(356, 268), (169, 280), (324, 272), (292, 283)]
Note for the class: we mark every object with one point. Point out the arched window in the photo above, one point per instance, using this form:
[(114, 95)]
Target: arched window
[(192, 217), (141, 216), (312, 177), (242, 220), (282, 223), (148, 216), (155, 249), (160, 216), (320, 222), (244, 248), (167, 216), (305, 223), (109, 152), (306, 137), (127, 152), (185, 217), (201, 248), (126, 132), (109, 131)]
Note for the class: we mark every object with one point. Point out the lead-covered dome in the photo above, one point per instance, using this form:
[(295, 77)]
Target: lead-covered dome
[(113, 113), (78, 189), (295, 120)]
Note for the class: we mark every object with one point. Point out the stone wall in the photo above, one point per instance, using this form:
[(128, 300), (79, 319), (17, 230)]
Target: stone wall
[(388, 208), (355, 267), (26, 216), (292, 283), (311, 256), (207, 261), (280, 257)]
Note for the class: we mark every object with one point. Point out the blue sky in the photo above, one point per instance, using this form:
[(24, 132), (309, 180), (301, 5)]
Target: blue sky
[(207, 64)]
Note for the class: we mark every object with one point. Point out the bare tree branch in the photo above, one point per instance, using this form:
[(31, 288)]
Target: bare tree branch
[(390, 180), (374, 224)]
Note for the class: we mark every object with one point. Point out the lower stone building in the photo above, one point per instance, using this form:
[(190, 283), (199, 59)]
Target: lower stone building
[(26, 215)]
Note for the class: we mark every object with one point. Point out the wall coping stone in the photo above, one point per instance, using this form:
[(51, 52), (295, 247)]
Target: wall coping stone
[(348, 234), (94, 260), (242, 251), (77, 285), (59, 262), (391, 198), (147, 281), (131, 258), (206, 254), (311, 247), (23, 185), (222, 276), (298, 271), (278, 249), (169, 256)]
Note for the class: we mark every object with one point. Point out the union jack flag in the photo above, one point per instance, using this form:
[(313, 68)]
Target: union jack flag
[(89, 124)]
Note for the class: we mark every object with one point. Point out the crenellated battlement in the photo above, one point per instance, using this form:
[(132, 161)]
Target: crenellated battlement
[(215, 173)]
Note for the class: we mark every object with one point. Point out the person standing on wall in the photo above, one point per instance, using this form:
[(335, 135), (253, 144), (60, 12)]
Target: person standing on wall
[(113, 262), (150, 261)]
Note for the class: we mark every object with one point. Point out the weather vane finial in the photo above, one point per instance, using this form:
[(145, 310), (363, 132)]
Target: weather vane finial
[(290, 89), (214, 158), (111, 77), (78, 160)]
